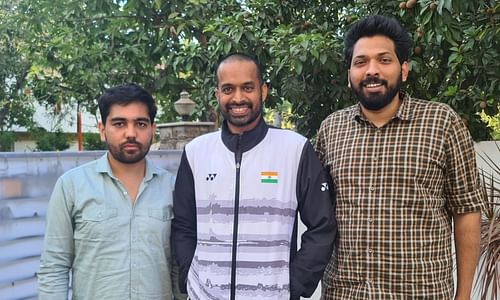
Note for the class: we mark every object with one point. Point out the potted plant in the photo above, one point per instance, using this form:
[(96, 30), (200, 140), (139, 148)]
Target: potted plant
[(487, 284)]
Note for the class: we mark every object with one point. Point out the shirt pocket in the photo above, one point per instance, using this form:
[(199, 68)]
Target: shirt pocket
[(99, 213), (98, 222), (164, 214), (156, 229)]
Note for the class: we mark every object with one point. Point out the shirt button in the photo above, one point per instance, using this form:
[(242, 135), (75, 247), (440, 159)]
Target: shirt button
[(372, 189), (370, 250), (375, 158), (370, 220)]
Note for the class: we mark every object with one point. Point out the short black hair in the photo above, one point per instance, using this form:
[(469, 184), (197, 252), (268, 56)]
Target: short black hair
[(124, 95), (378, 25), (240, 56)]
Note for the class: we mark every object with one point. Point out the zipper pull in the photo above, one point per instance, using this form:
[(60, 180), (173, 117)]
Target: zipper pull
[(238, 154)]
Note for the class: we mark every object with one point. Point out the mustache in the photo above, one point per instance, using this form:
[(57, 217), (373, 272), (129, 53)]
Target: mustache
[(239, 104), (131, 141), (373, 80)]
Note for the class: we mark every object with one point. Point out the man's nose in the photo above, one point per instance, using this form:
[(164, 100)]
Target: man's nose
[(238, 95), (131, 130), (373, 68)]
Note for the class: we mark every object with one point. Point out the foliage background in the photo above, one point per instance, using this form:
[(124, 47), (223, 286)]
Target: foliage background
[(50, 141), (65, 52), (493, 122)]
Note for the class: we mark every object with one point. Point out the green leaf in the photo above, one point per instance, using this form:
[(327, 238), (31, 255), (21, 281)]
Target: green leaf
[(451, 91), (441, 4), (448, 4), (427, 18), (227, 47), (315, 53), (453, 58), (323, 57), (298, 67), (157, 4), (469, 45), (161, 82), (238, 37)]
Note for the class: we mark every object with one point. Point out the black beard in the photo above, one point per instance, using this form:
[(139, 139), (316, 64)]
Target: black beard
[(376, 101), (120, 155), (237, 122)]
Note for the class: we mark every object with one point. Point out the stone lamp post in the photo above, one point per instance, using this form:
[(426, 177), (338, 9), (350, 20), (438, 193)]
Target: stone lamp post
[(174, 136), (184, 106)]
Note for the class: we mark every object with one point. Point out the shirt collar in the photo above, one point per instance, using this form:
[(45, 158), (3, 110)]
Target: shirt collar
[(103, 167), (405, 110)]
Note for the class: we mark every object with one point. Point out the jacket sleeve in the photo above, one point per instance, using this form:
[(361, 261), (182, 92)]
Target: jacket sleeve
[(316, 205), (184, 223), (58, 250), (178, 295)]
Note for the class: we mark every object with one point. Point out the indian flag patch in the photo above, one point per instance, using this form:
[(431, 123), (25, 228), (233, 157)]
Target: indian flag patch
[(268, 177)]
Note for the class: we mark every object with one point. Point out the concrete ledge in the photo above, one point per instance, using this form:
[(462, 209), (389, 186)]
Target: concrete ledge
[(177, 135)]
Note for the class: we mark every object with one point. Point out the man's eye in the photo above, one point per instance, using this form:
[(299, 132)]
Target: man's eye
[(226, 90), (142, 124), (248, 89), (118, 124)]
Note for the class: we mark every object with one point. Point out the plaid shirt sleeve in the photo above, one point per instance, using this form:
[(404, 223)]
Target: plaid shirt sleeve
[(319, 146), (462, 180)]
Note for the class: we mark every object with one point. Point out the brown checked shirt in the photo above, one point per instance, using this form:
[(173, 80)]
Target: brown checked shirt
[(396, 189)]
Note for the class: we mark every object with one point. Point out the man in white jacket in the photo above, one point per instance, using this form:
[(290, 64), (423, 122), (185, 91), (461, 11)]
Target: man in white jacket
[(237, 196)]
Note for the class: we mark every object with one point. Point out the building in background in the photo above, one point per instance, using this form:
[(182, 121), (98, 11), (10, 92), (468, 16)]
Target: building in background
[(65, 121)]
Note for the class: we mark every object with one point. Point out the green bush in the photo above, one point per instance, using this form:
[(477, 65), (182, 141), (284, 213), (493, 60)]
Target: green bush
[(92, 141), (51, 141), (7, 140), (493, 122)]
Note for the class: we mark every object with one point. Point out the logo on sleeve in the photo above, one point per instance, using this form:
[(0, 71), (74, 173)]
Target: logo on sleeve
[(324, 186), (211, 176)]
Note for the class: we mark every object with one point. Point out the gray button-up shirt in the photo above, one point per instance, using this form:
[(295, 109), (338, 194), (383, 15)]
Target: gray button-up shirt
[(116, 249)]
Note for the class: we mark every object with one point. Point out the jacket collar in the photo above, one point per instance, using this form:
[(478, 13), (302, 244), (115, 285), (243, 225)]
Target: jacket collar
[(247, 140)]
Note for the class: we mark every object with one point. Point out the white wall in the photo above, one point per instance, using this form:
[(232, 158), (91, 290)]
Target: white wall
[(485, 151)]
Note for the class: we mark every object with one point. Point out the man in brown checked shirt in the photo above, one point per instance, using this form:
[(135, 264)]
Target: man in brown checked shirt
[(406, 180)]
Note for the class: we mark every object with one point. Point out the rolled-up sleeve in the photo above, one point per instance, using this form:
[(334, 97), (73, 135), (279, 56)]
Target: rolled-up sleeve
[(462, 179)]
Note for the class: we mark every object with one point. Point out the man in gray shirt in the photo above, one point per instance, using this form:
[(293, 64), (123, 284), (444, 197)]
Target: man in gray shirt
[(108, 221)]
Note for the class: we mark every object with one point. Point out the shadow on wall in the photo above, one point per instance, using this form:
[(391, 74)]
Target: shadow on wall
[(26, 182)]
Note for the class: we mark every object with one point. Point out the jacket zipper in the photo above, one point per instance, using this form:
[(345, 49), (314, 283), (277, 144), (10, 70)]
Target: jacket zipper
[(237, 157)]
